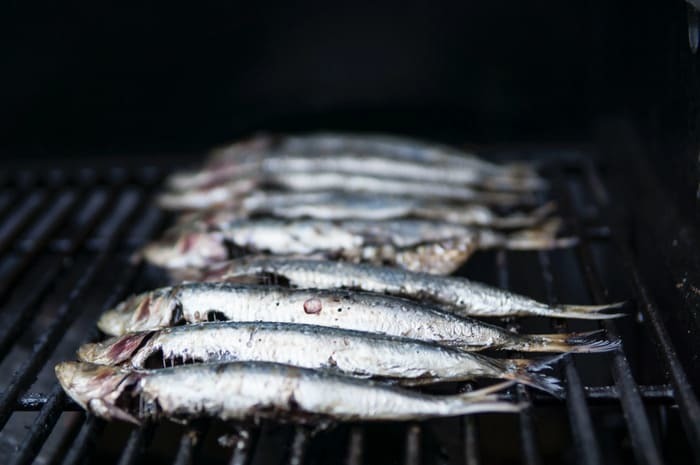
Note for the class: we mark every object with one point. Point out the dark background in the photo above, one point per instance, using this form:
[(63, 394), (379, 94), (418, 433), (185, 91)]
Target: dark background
[(86, 77)]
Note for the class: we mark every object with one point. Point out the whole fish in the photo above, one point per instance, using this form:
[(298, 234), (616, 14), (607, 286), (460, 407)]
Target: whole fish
[(211, 196), (418, 245), (241, 157), (355, 353), (456, 295), (236, 391), (377, 313), (333, 205), (278, 164)]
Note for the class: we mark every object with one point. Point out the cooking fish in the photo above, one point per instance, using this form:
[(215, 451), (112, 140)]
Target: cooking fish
[(348, 352), (418, 245), (456, 295), (360, 311), (333, 205), (235, 391), (211, 196), (244, 158), (277, 164)]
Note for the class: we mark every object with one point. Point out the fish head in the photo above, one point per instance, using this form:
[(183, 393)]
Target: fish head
[(97, 388), (188, 249), (150, 310), (114, 350)]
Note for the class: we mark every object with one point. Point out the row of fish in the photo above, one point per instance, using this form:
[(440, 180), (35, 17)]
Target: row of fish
[(309, 283)]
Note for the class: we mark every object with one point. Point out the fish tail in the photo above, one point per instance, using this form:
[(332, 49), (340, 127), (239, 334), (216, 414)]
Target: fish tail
[(587, 312), (542, 237), (470, 407), (526, 220), (589, 342), (484, 400), (526, 371)]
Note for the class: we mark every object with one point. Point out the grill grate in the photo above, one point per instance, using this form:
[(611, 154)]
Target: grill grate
[(65, 246)]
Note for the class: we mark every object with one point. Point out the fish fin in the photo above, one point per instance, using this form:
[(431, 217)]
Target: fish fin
[(526, 220), (485, 400), (526, 371), (542, 237), (488, 391), (588, 342), (588, 312), (104, 409)]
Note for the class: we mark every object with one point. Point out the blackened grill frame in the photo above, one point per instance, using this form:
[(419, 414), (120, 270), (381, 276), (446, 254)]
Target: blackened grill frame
[(579, 398)]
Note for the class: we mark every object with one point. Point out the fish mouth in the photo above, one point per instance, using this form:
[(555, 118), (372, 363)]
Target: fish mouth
[(98, 389)]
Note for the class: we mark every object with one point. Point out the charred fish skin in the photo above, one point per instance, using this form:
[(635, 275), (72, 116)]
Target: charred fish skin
[(235, 391), (457, 295), (369, 312), (348, 352)]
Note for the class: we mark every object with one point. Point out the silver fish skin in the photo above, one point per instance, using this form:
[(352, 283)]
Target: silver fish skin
[(244, 157), (236, 391), (418, 245), (389, 146), (454, 294), (353, 353), (359, 311), (217, 195), (334, 205), (278, 164)]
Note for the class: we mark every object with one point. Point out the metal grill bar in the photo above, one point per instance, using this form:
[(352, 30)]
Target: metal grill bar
[(413, 445), (297, 450), (531, 455), (58, 217), (578, 398), (85, 441), (52, 408), (41, 428), (245, 442), (587, 448), (135, 445), (597, 395), (689, 407), (64, 315), (23, 315), (643, 444), (355, 446)]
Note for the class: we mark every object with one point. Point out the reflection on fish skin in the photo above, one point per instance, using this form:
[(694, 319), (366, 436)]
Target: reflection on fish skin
[(354, 353), (361, 311), (234, 391), (454, 294)]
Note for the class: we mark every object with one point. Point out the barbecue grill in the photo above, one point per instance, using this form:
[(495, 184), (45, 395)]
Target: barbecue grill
[(67, 238), (69, 225)]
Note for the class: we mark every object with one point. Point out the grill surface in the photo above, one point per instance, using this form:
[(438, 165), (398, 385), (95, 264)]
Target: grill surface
[(66, 239)]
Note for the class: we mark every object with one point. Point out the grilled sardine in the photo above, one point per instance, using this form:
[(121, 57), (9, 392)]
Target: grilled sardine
[(199, 302)]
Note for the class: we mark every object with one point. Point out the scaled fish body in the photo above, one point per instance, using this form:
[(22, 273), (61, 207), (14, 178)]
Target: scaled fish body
[(240, 157), (418, 245), (454, 294), (349, 352), (359, 311), (211, 196), (235, 391), (276, 165), (334, 205)]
